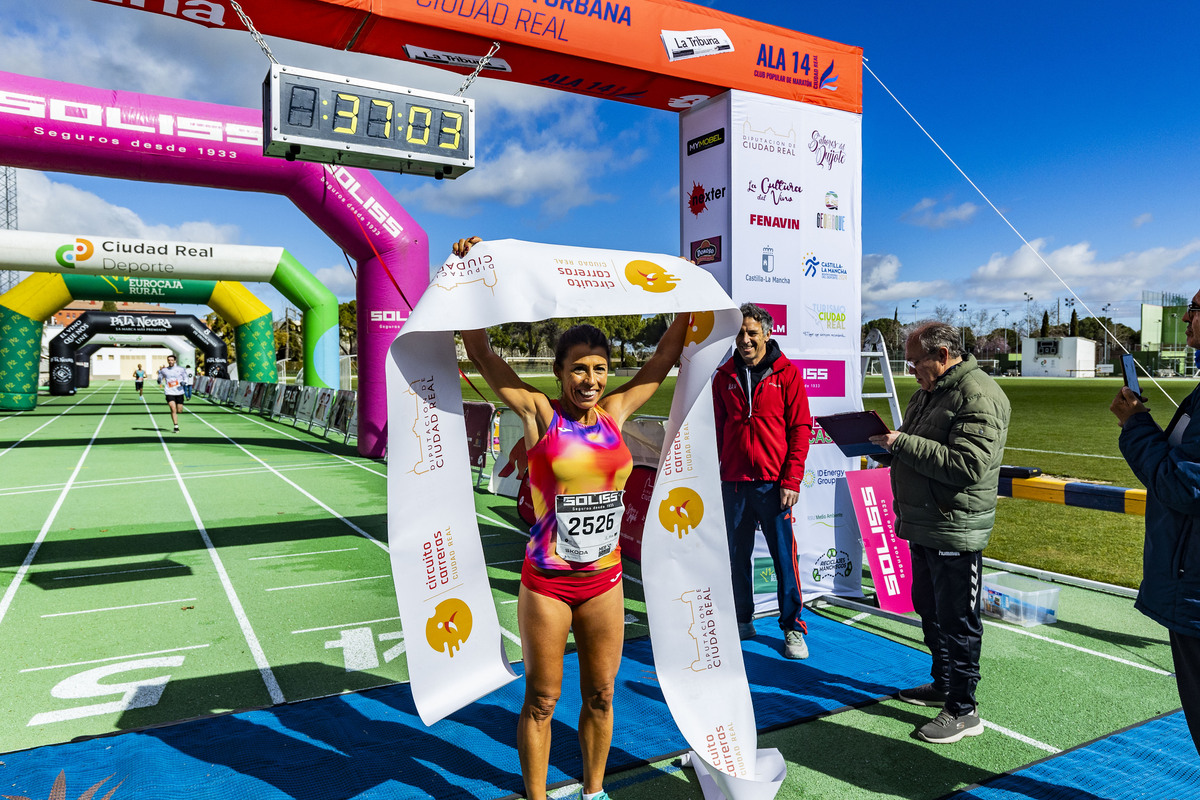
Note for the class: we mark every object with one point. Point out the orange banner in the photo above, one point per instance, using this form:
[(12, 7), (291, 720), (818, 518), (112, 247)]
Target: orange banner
[(657, 53)]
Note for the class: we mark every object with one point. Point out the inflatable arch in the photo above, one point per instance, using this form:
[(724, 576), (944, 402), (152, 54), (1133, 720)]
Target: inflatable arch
[(104, 268), (61, 127), (63, 348), (179, 345)]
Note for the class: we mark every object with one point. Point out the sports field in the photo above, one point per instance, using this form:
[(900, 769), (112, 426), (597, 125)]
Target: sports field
[(150, 577)]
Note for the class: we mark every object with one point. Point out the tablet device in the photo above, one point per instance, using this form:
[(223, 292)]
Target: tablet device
[(851, 431)]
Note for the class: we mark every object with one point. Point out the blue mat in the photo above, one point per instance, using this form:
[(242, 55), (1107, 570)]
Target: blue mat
[(372, 744), (1155, 759)]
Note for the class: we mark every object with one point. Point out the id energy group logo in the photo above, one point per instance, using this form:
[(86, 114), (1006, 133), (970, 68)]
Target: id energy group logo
[(71, 254)]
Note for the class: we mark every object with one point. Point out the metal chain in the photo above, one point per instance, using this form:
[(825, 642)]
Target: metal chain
[(254, 34), (483, 62)]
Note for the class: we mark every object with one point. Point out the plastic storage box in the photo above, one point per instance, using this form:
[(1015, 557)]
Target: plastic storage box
[(1015, 598)]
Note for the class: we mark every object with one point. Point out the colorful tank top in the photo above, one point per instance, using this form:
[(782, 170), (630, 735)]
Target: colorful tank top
[(577, 477)]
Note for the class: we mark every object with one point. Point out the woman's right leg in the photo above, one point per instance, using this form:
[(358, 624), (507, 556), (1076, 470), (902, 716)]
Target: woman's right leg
[(544, 623)]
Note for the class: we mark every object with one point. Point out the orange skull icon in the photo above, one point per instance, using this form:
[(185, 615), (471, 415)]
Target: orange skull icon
[(650, 276), (699, 327), (449, 626), (681, 510)]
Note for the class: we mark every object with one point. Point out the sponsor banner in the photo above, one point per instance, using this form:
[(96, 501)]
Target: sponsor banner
[(823, 378), (703, 170), (891, 566), (650, 52), (455, 652), (119, 257), (508, 468)]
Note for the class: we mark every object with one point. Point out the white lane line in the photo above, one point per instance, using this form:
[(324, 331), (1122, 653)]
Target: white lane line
[(117, 658), (347, 625), (297, 555), (82, 575), (280, 429), (101, 483), (512, 637), (1117, 659), (500, 524), (120, 608), (1021, 737), (329, 583), (11, 592), (498, 563), (256, 651), (1062, 453), (39, 405), (66, 410), (294, 485)]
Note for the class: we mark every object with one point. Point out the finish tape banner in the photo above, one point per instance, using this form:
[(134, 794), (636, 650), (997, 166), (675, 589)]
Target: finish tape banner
[(454, 641)]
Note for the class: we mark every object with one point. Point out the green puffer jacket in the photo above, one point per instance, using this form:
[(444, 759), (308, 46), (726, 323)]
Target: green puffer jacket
[(946, 460)]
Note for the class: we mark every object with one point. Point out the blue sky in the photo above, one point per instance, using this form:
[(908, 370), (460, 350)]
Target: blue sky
[(1081, 121)]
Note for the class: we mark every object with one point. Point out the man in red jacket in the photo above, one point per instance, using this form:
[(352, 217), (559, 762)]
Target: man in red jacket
[(763, 430)]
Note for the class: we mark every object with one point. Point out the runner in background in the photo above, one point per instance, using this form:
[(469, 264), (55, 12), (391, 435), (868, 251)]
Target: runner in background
[(571, 576), (172, 378), (187, 384), (139, 376)]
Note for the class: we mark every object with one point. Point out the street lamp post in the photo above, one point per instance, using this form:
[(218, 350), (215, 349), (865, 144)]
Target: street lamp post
[(914, 307), (1105, 310), (962, 329), (1028, 311)]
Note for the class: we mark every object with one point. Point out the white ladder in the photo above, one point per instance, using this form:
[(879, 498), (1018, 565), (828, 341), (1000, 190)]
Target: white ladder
[(874, 348)]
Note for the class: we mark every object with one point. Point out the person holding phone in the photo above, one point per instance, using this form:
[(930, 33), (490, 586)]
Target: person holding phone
[(1167, 462)]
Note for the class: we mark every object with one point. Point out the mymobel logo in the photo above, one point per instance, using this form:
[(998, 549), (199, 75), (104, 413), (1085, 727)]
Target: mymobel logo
[(449, 627), (710, 139), (71, 254), (650, 276)]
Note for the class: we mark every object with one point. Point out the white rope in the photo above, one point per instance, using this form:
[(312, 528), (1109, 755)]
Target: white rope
[(1013, 228)]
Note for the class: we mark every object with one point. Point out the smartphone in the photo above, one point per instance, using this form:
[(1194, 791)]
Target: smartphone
[(1131, 378)]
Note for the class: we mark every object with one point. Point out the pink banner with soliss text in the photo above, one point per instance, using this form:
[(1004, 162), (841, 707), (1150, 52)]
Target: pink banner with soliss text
[(891, 566)]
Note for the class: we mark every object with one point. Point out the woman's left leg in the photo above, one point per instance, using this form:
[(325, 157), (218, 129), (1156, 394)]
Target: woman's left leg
[(599, 626)]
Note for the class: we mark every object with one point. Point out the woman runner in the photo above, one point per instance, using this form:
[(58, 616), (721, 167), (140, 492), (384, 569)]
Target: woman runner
[(571, 576)]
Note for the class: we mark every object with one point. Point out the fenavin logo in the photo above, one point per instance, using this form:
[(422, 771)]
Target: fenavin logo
[(71, 254)]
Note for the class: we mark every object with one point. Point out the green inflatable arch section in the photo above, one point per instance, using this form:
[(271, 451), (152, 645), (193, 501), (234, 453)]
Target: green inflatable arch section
[(70, 267)]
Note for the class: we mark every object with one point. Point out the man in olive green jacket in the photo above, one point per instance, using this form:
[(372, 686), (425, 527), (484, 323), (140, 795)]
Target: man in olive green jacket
[(945, 462)]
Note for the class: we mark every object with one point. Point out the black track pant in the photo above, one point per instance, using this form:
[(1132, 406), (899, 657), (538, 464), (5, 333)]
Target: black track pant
[(946, 593), (1185, 650)]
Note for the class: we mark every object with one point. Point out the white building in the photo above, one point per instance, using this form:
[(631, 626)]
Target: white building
[(1068, 357)]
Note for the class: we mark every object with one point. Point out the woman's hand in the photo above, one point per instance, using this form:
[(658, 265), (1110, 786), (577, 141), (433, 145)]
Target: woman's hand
[(463, 246)]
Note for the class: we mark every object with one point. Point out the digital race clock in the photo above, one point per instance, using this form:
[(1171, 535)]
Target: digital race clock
[(317, 116)]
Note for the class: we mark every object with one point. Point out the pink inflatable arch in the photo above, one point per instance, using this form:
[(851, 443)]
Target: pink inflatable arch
[(62, 127)]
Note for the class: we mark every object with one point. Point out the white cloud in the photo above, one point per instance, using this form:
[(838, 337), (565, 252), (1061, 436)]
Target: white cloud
[(52, 207), (883, 291), (1142, 219), (337, 279), (1005, 278), (929, 214)]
